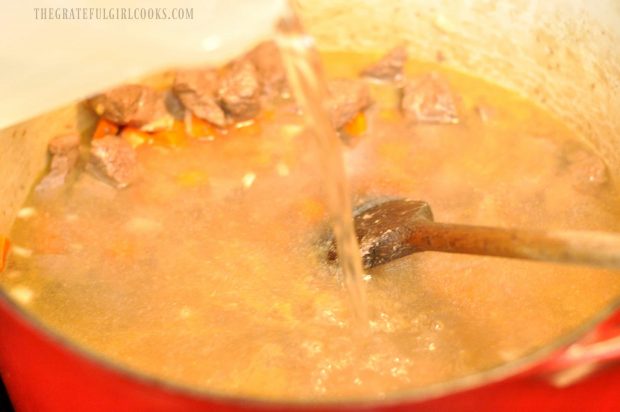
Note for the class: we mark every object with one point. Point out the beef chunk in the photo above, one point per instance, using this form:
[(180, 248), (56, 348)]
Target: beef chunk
[(60, 169), (174, 105), (347, 99), (390, 67), (196, 91), (428, 100), (113, 159), (118, 105), (130, 104), (239, 91), (65, 152), (154, 114), (267, 60), (62, 145), (587, 170)]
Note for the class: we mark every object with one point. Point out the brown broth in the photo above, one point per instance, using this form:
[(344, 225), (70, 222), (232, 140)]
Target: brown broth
[(207, 271)]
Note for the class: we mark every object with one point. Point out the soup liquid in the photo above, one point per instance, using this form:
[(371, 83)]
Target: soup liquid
[(209, 272)]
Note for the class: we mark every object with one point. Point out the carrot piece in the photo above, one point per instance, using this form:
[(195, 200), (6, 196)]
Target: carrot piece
[(356, 126), (5, 246), (175, 136), (105, 128), (197, 127), (135, 137)]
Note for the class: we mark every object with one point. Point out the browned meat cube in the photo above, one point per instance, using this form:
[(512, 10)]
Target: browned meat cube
[(268, 62), (587, 170), (113, 159), (174, 105), (239, 91), (196, 91), (428, 99), (390, 67), (60, 168), (347, 98), (118, 105), (64, 144), (154, 114), (64, 151), (131, 104)]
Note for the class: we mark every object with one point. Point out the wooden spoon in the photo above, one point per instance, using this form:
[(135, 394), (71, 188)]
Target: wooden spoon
[(390, 228)]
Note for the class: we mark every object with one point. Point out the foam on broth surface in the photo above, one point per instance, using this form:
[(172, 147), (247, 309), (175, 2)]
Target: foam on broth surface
[(207, 272)]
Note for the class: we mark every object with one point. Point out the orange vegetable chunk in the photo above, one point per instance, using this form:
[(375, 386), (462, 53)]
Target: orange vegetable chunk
[(105, 128), (173, 137), (135, 137), (357, 126)]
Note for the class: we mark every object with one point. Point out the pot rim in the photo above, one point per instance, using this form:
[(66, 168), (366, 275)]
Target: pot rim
[(482, 378)]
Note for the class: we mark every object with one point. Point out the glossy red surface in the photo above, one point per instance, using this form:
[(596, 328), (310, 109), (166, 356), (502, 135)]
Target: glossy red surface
[(44, 375)]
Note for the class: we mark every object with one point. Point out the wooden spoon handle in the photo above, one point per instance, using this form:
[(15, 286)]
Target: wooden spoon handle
[(585, 248)]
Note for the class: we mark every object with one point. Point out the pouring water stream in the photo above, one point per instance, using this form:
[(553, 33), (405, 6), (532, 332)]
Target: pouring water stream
[(306, 79)]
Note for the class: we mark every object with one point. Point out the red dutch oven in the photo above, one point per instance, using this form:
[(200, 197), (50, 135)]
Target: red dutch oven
[(556, 53), (44, 372)]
